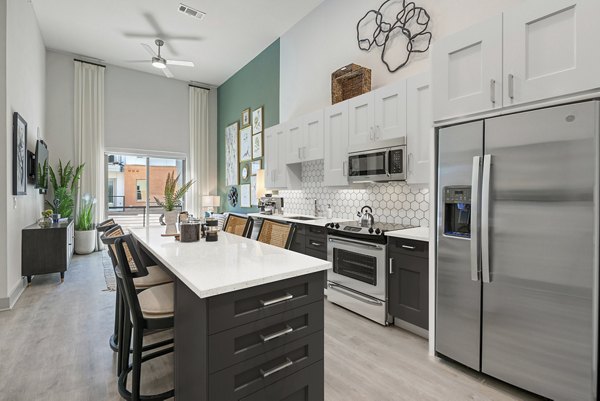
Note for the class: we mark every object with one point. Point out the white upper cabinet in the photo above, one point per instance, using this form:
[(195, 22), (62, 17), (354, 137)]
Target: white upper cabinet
[(271, 155), (281, 178), (312, 147), (419, 128), (294, 143), (390, 112), (467, 71), (361, 115), (336, 145), (551, 49)]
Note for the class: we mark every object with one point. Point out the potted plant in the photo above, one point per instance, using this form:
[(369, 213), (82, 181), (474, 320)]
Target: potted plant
[(85, 231), (172, 199), (64, 185), (46, 220)]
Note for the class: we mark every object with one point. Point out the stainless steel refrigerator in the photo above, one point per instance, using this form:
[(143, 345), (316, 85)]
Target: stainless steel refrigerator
[(517, 248)]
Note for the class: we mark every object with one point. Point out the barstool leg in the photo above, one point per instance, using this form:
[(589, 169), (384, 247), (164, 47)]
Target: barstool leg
[(114, 339), (124, 344), (138, 338)]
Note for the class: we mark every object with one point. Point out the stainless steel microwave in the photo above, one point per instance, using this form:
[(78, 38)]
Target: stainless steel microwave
[(386, 164)]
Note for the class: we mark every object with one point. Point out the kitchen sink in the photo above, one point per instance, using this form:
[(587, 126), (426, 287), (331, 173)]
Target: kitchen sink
[(302, 218)]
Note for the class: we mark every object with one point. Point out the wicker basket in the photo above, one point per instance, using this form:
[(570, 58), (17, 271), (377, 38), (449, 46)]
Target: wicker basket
[(349, 81)]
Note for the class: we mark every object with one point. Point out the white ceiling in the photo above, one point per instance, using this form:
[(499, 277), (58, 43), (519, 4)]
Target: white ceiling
[(232, 33)]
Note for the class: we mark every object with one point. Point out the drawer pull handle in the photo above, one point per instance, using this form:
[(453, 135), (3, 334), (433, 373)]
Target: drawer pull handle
[(274, 301), (315, 243), (412, 248), (267, 373), (277, 334)]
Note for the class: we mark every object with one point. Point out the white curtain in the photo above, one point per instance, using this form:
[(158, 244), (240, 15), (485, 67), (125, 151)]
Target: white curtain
[(198, 163), (89, 132)]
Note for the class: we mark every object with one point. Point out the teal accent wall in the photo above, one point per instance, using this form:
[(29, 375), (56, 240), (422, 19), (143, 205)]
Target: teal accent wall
[(255, 85)]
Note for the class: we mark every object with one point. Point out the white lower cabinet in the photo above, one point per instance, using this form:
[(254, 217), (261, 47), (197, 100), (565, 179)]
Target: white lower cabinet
[(419, 128), (336, 145)]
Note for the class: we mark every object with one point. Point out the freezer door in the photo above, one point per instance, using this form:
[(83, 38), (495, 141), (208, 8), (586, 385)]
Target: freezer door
[(458, 298), (538, 321)]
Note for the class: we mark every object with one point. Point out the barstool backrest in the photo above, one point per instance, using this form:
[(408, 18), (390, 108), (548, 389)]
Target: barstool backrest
[(110, 237), (277, 233), (127, 257), (106, 225), (238, 225)]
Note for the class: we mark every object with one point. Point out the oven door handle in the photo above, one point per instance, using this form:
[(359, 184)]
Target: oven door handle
[(347, 241), (354, 294)]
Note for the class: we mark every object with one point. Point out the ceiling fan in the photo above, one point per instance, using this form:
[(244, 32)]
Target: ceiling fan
[(160, 62)]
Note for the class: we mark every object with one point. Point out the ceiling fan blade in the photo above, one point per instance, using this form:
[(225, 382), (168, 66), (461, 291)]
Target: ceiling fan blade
[(138, 61), (180, 62), (167, 73), (148, 49)]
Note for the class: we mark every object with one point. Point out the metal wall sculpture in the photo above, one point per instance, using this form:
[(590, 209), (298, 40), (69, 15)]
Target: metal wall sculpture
[(394, 24)]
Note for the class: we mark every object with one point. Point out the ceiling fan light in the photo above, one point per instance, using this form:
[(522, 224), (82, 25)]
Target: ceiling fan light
[(158, 63)]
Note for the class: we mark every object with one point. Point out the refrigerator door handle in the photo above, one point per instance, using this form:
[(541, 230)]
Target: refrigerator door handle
[(475, 266), (485, 220)]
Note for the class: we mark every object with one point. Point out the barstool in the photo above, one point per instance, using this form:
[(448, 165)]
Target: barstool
[(150, 309), (145, 277)]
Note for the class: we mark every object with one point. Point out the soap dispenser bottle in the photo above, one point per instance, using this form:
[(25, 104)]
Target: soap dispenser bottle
[(329, 211)]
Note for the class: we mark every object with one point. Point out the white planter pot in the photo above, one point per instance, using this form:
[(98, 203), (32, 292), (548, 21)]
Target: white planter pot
[(85, 242), (171, 222)]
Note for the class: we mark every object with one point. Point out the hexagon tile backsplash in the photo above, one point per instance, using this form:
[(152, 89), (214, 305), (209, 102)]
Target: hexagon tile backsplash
[(394, 202)]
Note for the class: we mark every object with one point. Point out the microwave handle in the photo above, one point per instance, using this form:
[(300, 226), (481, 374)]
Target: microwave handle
[(387, 162)]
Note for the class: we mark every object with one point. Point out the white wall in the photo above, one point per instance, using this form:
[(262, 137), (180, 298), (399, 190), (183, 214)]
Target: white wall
[(25, 86), (325, 40), (143, 112)]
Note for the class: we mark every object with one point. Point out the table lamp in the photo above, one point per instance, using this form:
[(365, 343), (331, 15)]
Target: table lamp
[(209, 202)]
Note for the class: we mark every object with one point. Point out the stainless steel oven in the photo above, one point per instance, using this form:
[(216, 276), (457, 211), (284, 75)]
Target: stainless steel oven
[(358, 278), (386, 164)]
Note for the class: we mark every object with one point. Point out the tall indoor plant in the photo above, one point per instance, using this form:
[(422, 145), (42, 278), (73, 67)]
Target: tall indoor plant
[(172, 199), (85, 229), (64, 182)]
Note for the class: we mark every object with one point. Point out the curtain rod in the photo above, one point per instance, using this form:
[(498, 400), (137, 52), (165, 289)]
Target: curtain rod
[(89, 62), (199, 87)]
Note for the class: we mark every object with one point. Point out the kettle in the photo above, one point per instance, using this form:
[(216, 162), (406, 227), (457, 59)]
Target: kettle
[(366, 217)]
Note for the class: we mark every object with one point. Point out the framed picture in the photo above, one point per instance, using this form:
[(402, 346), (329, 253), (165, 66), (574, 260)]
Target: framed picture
[(256, 165), (244, 172), (246, 144), (245, 118), (19, 155), (257, 120), (257, 146), (253, 197), (231, 154), (245, 195)]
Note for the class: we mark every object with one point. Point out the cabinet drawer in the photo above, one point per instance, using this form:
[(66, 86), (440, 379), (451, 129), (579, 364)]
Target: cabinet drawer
[(241, 307), (316, 254), (409, 247), (259, 372), (306, 385), (318, 243), (316, 231), (243, 342)]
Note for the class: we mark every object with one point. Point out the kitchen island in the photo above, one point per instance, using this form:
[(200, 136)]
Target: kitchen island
[(248, 318)]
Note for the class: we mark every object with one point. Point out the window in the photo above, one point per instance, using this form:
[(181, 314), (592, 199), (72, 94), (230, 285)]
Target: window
[(140, 190)]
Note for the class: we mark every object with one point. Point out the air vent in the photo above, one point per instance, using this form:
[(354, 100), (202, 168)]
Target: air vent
[(191, 11)]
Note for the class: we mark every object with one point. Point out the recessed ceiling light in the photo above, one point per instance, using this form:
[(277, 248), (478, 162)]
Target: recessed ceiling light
[(192, 12)]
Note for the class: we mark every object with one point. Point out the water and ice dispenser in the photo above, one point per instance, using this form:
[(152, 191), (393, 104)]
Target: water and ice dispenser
[(457, 211)]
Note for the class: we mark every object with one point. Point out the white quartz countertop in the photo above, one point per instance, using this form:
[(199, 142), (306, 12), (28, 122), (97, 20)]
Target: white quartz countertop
[(232, 263), (319, 221), (416, 233)]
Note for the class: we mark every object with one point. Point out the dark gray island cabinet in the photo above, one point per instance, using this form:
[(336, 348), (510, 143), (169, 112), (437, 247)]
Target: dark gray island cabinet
[(46, 250), (248, 319)]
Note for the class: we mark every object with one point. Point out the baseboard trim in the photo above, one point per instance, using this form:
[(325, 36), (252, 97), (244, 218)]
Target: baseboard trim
[(421, 332), (9, 302)]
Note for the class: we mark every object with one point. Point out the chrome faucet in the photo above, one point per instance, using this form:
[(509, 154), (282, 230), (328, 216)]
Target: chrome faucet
[(317, 210)]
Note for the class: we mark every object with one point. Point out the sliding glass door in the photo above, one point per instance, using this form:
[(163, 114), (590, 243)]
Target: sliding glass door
[(133, 182)]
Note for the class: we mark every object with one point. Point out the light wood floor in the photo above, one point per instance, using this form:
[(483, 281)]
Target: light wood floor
[(54, 347)]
